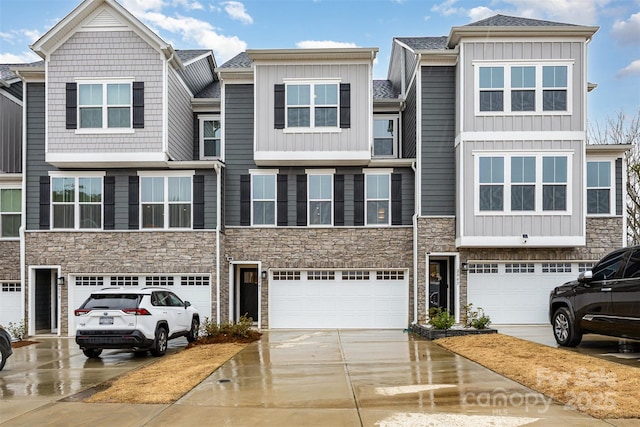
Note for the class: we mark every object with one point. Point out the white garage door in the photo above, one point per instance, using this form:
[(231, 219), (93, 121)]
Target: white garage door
[(517, 293), (193, 288), (339, 299), (10, 303)]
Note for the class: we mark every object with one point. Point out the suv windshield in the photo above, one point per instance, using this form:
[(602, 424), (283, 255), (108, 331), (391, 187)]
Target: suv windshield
[(112, 302)]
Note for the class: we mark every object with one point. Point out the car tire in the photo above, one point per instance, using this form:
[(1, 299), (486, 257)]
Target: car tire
[(193, 332), (92, 353), (160, 343), (564, 328), (3, 357)]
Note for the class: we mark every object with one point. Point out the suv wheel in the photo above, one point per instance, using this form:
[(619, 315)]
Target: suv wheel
[(564, 328), (193, 332), (92, 353), (160, 343), (3, 357)]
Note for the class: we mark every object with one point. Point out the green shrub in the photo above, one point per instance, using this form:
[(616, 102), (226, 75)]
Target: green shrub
[(440, 319), (475, 318), (19, 330), (241, 329)]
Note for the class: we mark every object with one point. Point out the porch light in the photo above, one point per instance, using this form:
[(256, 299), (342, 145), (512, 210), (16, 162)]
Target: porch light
[(264, 275), (61, 281)]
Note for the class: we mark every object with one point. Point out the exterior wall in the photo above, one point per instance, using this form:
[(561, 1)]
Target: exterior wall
[(438, 165), (103, 55), (198, 75), (179, 121), (10, 260), (409, 120), (128, 253), (524, 50), (494, 224), (10, 135), (356, 138), (327, 248)]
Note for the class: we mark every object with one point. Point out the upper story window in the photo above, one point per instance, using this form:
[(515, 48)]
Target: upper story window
[(378, 198), (320, 197), (535, 184), (210, 137), (263, 199), (599, 187), (76, 202), (104, 105), (166, 201), (10, 208), (385, 136), (526, 88)]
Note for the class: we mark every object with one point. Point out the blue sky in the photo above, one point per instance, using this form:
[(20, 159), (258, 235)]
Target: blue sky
[(229, 27)]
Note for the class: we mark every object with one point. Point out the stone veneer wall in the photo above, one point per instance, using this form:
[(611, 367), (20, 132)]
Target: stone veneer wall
[(123, 253), (305, 248), (10, 260)]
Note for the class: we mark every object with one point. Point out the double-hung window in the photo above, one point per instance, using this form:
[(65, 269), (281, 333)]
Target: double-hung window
[(555, 86), (385, 136), (491, 183), (312, 105), (166, 201), (76, 202), (523, 88), (599, 187), (210, 137), (10, 208), (320, 198), (105, 105), (263, 199), (378, 198), (491, 88), (554, 183), (523, 183)]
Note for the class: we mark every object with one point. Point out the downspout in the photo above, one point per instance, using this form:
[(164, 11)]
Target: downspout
[(23, 216), (217, 168), (414, 220), (418, 185)]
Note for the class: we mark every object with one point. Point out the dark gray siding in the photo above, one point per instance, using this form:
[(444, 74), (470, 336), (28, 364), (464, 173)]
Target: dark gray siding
[(409, 125), (210, 200), (619, 188), (10, 135), (438, 135), (238, 145), (197, 75), (36, 165)]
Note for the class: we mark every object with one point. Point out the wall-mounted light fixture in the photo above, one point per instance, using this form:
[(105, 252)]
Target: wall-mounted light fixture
[(465, 266), (525, 237), (61, 281), (264, 274)]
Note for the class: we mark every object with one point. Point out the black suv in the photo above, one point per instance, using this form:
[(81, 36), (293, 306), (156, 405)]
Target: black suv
[(604, 300)]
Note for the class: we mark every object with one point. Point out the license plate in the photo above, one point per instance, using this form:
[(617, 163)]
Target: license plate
[(106, 320)]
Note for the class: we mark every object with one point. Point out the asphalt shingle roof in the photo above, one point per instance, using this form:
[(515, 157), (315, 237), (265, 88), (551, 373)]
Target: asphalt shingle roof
[(425, 43), (210, 91), (7, 74), (514, 21), (383, 89), (241, 60), (187, 55)]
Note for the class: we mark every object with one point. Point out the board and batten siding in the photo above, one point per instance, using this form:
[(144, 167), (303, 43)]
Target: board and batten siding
[(355, 138), (518, 51), (180, 120), (104, 55), (438, 166), (495, 224), (10, 136)]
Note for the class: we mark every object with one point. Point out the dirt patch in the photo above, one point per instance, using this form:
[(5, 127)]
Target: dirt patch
[(597, 387), (170, 378), (23, 343)]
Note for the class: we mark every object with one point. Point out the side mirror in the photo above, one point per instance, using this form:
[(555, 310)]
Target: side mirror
[(585, 276), (187, 304)]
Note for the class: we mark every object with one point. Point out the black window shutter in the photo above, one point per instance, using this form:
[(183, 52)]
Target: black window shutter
[(72, 106), (396, 199), (45, 197), (109, 202), (338, 200), (245, 200), (278, 112), (134, 199), (358, 199), (138, 105), (198, 202), (345, 105), (301, 200), (283, 182)]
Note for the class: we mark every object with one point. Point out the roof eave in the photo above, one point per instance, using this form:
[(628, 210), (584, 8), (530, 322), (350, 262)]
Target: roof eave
[(457, 33), (608, 148), (359, 53)]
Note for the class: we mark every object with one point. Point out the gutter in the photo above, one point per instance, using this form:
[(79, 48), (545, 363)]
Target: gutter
[(414, 220)]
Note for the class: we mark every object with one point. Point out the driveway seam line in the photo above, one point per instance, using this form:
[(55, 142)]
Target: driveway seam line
[(346, 368)]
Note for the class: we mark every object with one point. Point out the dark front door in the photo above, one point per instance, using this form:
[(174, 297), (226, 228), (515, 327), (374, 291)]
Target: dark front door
[(43, 299), (249, 293), (438, 284)]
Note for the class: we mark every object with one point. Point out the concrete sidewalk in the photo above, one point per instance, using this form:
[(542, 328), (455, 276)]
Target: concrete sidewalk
[(326, 378)]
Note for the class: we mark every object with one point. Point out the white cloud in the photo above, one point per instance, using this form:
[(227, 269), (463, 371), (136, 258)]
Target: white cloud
[(321, 44), (447, 8), (32, 35), (141, 6), (23, 58), (479, 13), (627, 32), (633, 69), (236, 11), (7, 37), (189, 5)]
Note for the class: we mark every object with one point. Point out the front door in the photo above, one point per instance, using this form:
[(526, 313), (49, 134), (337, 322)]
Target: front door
[(46, 299), (249, 293), (439, 284)]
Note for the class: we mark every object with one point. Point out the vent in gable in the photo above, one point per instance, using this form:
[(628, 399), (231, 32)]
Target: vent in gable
[(104, 19)]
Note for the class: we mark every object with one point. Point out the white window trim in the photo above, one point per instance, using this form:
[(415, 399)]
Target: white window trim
[(538, 155), (201, 120), (263, 172), (76, 202), (312, 128), (104, 106), (395, 118), (507, 87), (165, 175), (388, 173), (320, 172), (611, 188), (11, 187)]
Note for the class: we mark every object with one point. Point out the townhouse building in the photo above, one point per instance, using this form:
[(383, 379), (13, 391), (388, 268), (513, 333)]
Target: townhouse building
[(290, 186)]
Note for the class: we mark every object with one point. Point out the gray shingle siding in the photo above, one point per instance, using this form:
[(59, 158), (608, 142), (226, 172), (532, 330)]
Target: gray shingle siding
[(438, 135), (179, 121)]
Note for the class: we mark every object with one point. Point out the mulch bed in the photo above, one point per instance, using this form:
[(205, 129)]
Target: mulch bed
[(23, 343)]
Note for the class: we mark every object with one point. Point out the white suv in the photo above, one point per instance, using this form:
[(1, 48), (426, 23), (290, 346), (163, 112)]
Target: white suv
[(138, 319)]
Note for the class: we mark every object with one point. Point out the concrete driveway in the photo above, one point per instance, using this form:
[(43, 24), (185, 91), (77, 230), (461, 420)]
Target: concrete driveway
[(289, 378)]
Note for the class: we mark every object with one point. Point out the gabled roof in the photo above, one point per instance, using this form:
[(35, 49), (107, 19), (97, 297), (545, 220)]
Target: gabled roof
[(189, 55), (424, 43), (241, 60), (383, 89), (515, 21), (211, 91)]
